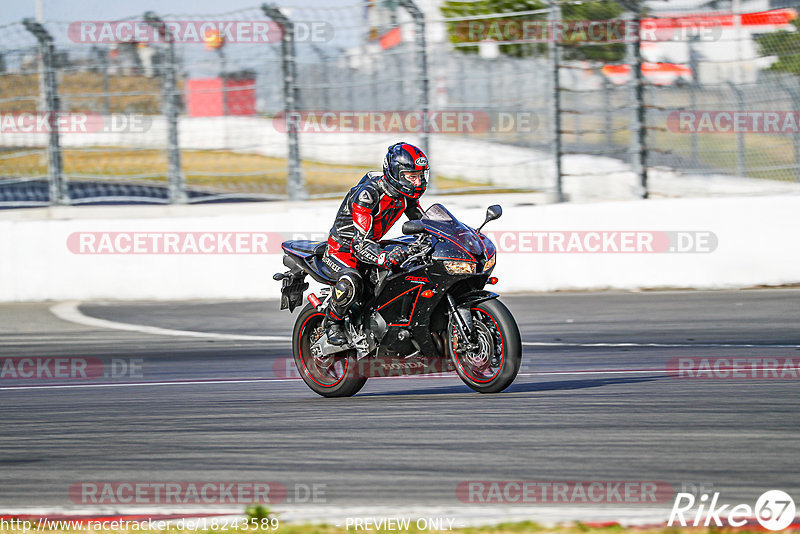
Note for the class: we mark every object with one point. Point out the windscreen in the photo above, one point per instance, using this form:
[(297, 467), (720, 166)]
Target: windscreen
[(437, 212)]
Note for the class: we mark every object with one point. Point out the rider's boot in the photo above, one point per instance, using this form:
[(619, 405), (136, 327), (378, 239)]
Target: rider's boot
[(335, 332)]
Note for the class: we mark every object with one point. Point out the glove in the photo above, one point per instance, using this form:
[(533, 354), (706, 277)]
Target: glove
[(391, 257)]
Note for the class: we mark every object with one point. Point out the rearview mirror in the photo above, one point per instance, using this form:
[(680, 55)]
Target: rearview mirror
[(492, 212), (413, 227)]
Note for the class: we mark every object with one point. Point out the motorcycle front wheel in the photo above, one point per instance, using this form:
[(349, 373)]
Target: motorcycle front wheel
[(334, 375), (494, 365)]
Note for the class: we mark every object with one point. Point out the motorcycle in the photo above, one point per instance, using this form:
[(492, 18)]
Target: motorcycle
[(434, 309)]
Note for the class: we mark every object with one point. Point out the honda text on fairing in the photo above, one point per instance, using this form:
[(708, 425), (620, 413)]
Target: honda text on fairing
[(433, 305)]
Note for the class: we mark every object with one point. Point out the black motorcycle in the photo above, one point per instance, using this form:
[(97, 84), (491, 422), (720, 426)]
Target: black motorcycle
[(434, 309)]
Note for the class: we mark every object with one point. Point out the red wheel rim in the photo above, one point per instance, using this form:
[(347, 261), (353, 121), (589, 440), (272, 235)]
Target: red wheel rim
[(326, 371), (476, 370)]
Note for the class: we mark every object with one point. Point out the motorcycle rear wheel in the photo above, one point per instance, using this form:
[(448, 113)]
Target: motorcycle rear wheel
[(335, 375)]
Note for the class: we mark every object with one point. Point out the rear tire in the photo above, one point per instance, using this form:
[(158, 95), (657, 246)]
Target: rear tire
[(332, 376), (495, 365)]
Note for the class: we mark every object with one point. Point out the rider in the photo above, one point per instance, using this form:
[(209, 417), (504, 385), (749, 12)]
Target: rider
[(368, 211)]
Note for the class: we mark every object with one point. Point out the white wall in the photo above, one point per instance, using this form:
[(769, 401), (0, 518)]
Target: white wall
[(756, 237)]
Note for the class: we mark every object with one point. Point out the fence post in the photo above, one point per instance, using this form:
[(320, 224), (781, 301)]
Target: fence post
[(223, 68), (419, 35), (795, 94), (326, 59), (55, 168), (106, 87), (373, 85), (171, 97), (639, 116), (554, 17), (741, 166), (796, 136), (694, 139), (295, 186), (607, 123)]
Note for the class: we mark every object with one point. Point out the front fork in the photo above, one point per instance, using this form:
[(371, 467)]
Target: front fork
[(463, 322)]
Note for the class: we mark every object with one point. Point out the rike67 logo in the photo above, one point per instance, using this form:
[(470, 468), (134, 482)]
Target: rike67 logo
[(774, 510)]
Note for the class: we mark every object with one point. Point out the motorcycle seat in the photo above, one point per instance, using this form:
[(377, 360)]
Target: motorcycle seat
[(304, 248), (320, 271), (311, 253)]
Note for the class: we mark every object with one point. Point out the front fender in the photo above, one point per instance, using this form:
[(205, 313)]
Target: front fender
[(474, 297)]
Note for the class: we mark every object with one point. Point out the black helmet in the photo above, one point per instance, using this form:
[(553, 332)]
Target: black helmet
[(405, 168)]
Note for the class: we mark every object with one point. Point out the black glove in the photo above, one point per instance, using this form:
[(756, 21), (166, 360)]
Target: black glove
[(392, 256)]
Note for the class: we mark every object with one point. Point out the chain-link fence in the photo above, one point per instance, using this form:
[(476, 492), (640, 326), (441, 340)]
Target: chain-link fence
[(733, 109), (24, 161), (567, 98), (697, 97)]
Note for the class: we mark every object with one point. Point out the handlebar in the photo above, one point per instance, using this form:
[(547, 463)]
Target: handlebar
[(420, 248)]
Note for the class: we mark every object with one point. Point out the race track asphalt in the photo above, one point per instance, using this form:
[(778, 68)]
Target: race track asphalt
[(593, 402)]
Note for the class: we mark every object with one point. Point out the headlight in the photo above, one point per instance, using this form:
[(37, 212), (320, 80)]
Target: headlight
[(489, 264), (460, 267)]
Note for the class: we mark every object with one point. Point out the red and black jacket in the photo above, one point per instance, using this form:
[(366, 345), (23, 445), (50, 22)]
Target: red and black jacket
[(366, 214)]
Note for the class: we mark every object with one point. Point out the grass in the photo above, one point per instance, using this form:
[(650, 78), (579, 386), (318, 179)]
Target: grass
[(716, 152), (82, 91), (221, 171)]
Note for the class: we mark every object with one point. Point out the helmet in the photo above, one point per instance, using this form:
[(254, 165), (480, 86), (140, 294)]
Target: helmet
[(405, 168)]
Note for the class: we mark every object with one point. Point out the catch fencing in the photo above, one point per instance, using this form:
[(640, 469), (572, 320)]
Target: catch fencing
[(272, 102)]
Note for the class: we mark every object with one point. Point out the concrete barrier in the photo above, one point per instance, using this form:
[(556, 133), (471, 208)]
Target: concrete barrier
[(91, 253)]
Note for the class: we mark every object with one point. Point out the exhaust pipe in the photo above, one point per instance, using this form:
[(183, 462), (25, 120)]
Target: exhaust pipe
[(314, 300)]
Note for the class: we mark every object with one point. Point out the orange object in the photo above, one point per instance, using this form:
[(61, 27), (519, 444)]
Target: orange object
[(774, 17), (427, 294), (391, 38), (492, 281), (213, 40)]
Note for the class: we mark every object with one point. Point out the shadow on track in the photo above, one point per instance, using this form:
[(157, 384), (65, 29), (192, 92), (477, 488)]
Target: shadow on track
[(525, 387)]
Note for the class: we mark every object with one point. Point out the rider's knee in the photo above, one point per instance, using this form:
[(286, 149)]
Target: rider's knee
[(346, 290)]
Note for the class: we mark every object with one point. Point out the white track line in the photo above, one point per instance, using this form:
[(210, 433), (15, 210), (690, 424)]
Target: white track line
[(662, 345), (153, 383), (69, 311)]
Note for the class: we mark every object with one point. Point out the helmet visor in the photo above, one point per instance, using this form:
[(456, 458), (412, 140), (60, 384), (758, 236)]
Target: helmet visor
[(415, 178)]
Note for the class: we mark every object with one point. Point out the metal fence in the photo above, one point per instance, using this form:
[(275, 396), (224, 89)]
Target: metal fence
[(687, 98), (270, 102)]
